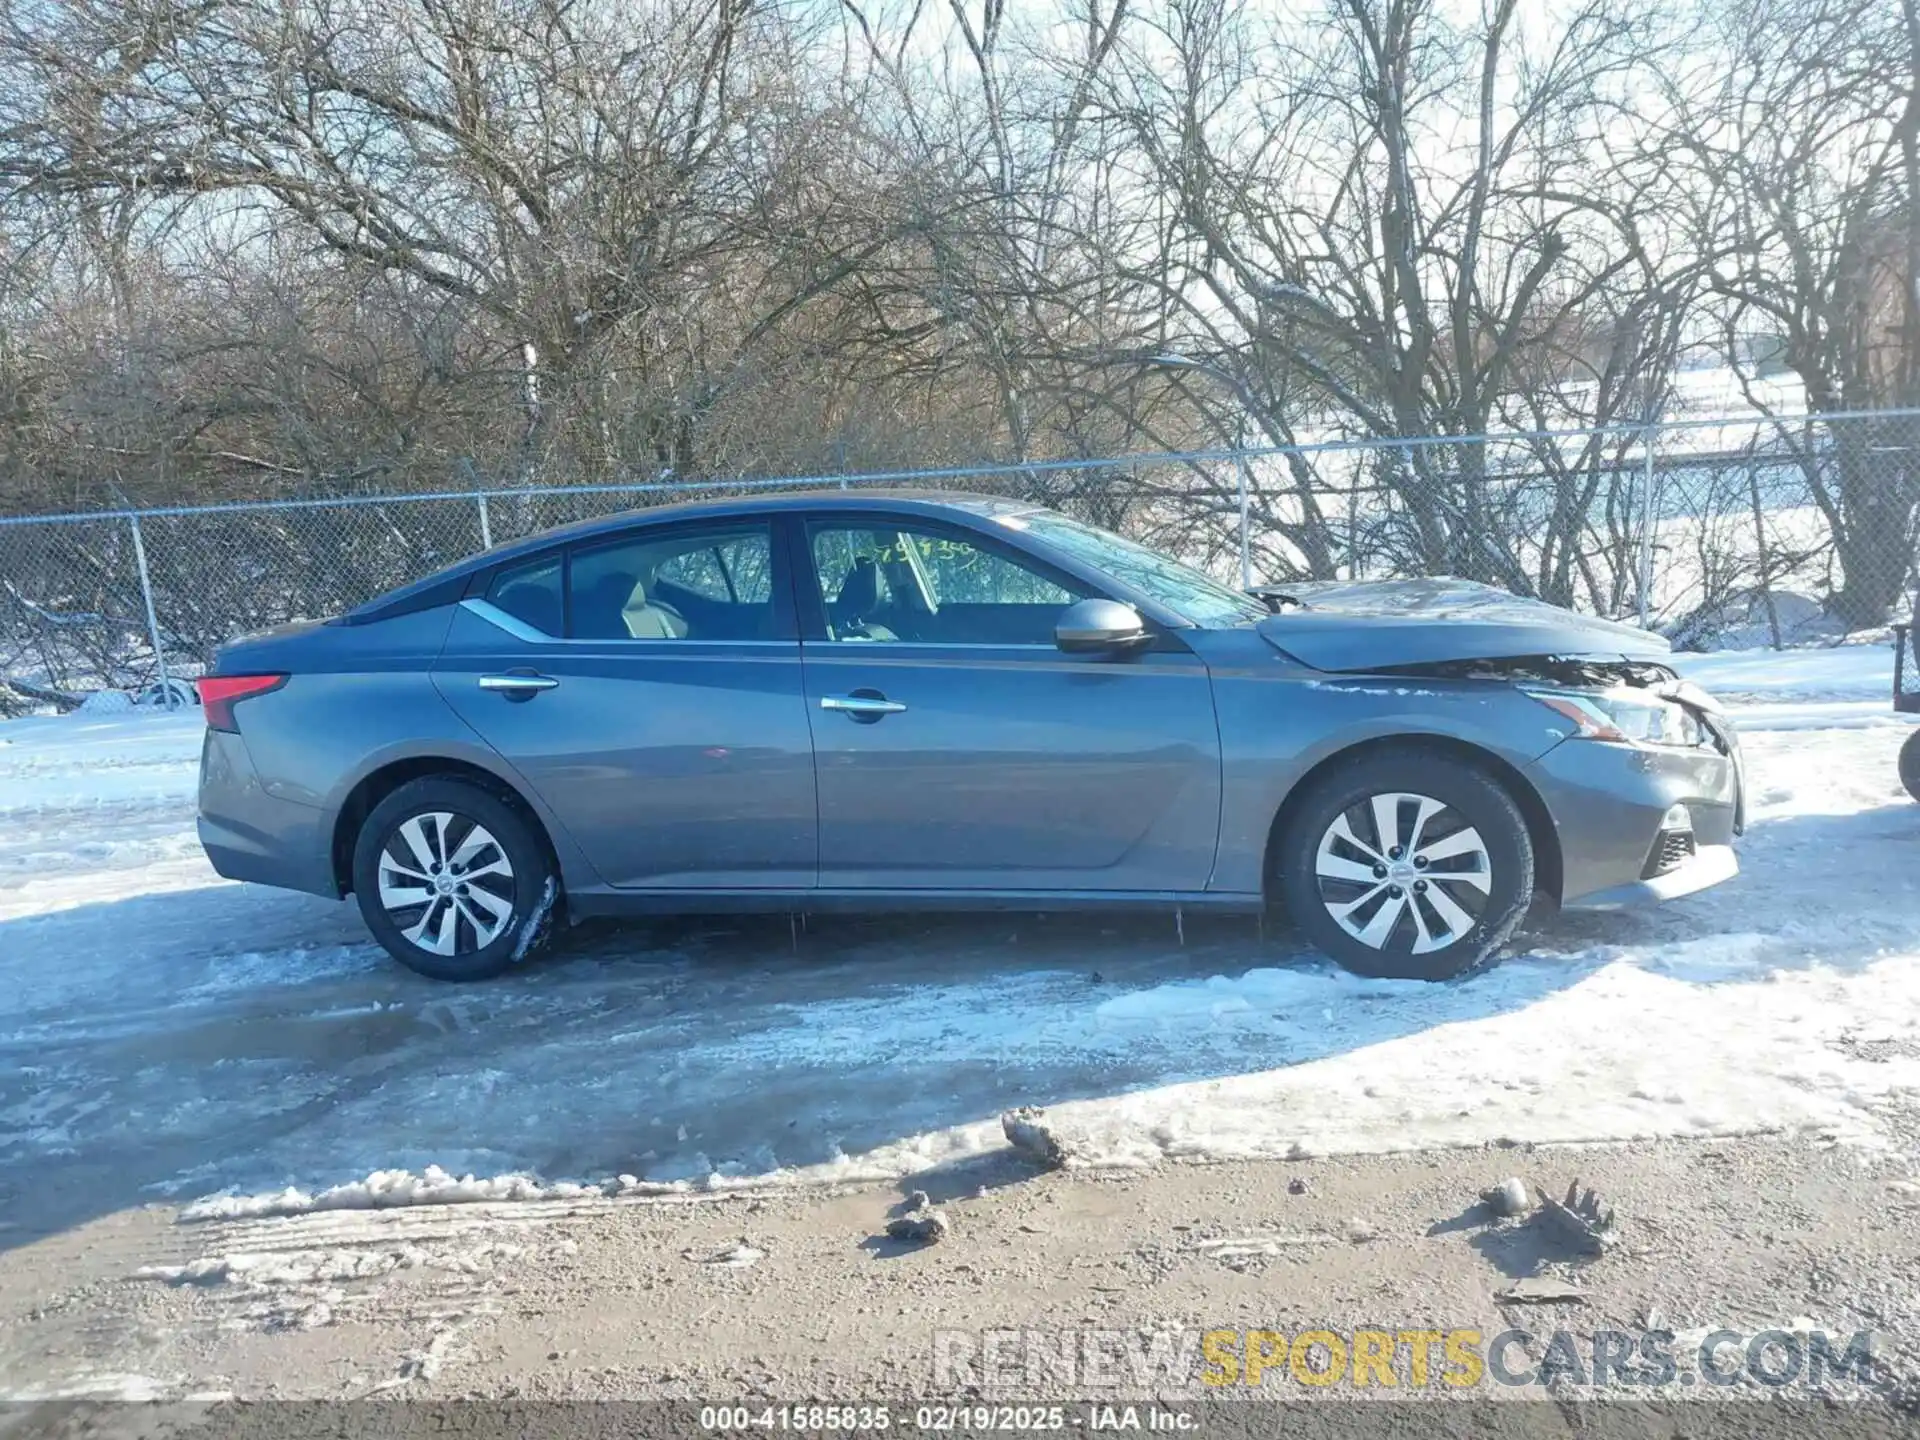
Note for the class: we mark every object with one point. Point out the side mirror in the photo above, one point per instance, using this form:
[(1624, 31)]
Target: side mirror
[(1100, 627)]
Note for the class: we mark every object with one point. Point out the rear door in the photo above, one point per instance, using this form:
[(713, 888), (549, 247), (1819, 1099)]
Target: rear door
[(959, 749), (648, 686)]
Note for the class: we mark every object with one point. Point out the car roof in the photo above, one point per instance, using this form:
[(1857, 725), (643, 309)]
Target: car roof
[(444, 584)]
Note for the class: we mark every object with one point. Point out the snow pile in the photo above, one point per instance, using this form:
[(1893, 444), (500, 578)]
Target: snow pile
[(738, 1256), (1633, 1050), (106, 702), (1627, 1054), (296, 1268), (392, 1189), (1751, 622)]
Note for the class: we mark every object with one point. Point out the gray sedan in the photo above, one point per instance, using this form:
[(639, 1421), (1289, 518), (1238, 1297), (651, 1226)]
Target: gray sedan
[(875, 700)]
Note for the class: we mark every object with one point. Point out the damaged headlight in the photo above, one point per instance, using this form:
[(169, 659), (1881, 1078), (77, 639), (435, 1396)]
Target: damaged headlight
[(1626, 715)]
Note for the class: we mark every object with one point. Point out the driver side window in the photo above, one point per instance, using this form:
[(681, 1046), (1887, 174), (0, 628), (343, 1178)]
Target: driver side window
[(901, 583)]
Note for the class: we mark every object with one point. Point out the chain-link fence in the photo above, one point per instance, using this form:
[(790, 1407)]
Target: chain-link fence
[(1732, 531)]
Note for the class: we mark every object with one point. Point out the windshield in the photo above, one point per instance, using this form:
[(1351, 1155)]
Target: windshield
[(1181, 588)]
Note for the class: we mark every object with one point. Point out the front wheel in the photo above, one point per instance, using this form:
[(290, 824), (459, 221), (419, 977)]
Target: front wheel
[(453, 881), (1407, 866)]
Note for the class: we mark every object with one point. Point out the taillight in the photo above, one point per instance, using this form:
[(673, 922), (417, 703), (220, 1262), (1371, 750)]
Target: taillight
[(220, 693)]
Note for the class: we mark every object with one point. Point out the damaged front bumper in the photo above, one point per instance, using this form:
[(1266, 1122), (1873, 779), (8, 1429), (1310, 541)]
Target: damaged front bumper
[(1636, 822), (1706, 867), (1641, 824)]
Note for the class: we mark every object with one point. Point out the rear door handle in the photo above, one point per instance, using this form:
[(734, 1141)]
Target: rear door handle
[(862, 707), (518, 685)]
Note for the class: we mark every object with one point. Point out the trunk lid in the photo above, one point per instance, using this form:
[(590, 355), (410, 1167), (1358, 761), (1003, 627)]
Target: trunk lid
[(1358, 626), (264, 649)]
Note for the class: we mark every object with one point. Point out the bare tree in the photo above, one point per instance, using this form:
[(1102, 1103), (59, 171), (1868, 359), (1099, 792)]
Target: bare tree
[(1394, 227), (258, 247), (1803, 132), (574, 174)]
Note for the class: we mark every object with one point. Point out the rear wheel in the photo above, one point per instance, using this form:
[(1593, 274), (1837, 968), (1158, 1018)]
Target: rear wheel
[(1407, 866), (453, 881)]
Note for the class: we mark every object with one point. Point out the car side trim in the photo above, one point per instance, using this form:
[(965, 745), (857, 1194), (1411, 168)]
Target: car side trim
[(520, 630), (501, 620), (884, 646), (617, 901)]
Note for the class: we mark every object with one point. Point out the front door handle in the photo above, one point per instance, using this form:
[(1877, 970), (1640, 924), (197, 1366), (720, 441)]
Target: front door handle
[(518, 684), (866, 706)]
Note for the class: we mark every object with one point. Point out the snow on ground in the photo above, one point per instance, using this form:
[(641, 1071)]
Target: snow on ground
[(165, 1034), (1862, 672), (86, 795), (1840, 688)]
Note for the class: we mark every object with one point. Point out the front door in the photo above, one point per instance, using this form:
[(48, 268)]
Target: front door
[(958, 749), (648, 688)]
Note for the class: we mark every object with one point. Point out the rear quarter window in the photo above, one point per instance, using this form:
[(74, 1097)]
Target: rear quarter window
[(531, 594)]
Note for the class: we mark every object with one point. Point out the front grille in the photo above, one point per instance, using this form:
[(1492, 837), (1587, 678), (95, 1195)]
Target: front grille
[(1671, 850)]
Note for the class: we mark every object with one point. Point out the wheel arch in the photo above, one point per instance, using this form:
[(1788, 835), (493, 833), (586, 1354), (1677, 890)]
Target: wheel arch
[(1541, 831), (379, 783)]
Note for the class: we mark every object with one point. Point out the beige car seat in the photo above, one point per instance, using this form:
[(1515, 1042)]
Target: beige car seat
[(649, 621)]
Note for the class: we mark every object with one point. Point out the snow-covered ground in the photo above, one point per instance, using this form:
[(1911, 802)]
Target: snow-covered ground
[(165, 1034)]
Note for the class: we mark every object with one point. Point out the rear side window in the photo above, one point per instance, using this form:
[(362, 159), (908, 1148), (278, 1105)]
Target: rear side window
[(737, 569), (531, 594), (683, 584)]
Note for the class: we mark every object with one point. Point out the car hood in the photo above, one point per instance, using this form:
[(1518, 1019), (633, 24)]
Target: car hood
[(1385, 624)]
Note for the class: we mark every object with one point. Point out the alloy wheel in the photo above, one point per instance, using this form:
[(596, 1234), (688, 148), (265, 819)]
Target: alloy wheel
[(446, 883), (1403, 871)]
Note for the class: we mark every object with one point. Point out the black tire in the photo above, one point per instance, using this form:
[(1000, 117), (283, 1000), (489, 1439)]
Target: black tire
[(1910, 764), (1478, 818), (516, 906)]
